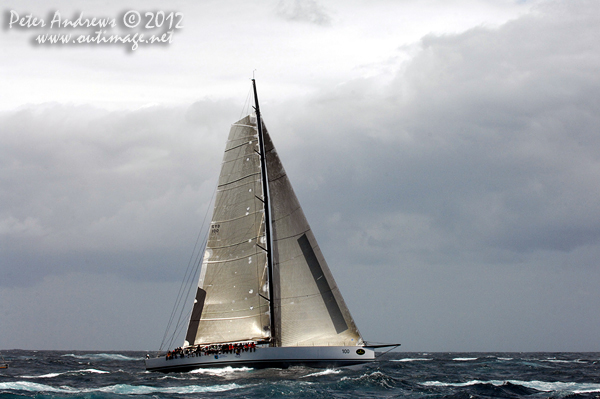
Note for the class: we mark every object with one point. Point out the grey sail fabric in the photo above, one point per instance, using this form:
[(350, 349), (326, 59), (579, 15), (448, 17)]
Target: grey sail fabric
[(232, 300), (309, 308), (234, 270)]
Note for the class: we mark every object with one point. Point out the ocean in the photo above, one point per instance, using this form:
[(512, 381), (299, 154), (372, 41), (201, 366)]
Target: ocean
[(117, 375)]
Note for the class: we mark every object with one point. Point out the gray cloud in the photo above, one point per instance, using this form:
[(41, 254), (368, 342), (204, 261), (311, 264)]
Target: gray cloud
[(463, 191), (83, 188), (303, 11), (489, 136), (467, 186)]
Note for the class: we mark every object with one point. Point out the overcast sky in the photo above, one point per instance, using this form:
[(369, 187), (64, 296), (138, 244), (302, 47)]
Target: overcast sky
[(446, 154)]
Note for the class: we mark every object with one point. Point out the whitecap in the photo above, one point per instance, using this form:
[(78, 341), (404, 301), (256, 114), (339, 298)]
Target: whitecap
[(408, 359), (376, 377), (93, 371), (50, 375), (464, 359), (447, 384), (103, 356), (221, 371), (53, 375), (31, 387), (124, 389), (324, 372), (573, 387), (554, 360)]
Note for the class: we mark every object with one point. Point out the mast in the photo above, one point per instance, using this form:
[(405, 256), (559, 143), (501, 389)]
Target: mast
[(265, 188)]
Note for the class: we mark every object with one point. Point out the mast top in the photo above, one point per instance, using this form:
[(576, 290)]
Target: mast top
[(256, 106)]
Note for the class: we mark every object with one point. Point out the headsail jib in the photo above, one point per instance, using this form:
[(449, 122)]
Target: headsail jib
[(310, 310)]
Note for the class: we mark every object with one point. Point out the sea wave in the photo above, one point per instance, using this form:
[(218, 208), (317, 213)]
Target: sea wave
[(31, 387), (573, 387), (121, 389), (49, 375), (96, 375), (103, 356), (553, 360), (221, 372), (75, 372), (376, 378), (324, 372), (125, 389)]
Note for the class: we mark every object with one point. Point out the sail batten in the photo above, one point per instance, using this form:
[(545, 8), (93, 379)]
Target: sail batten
[(237, 218), (242, 143), (224, 185)]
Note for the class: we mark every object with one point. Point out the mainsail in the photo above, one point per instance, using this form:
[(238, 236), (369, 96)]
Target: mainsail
[(232, 301), (236, 294)]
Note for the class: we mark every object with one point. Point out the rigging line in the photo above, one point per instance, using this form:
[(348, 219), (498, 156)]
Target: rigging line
[(180, 294), (190, 282), (199, 256), (394, 346), (177, 306), (191, 277), (178, 327), (188, 273), (246, 106), (181, 320)]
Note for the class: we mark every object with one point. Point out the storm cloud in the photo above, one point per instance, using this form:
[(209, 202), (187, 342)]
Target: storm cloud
[(453, 190)]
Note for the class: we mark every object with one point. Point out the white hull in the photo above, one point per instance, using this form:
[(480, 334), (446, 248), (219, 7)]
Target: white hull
[(281, 357)]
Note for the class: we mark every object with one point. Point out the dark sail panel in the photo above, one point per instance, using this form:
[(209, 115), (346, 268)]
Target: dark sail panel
[(195, 317), (315, 268)]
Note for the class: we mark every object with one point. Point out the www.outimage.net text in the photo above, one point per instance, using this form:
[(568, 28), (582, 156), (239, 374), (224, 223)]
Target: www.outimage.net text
[(136, 28)]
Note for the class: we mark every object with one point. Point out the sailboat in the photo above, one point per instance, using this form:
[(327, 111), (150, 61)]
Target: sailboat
[(265, 295)]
